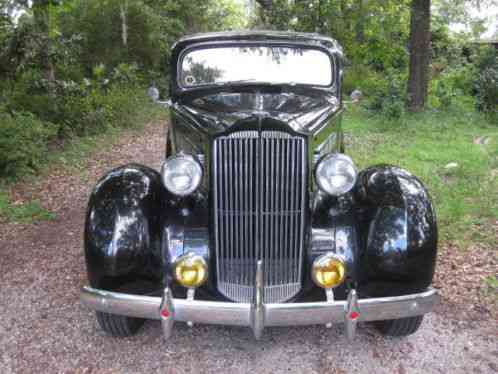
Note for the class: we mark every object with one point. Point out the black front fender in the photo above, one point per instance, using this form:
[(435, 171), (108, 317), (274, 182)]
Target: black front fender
[(122, 229), (399, 232)]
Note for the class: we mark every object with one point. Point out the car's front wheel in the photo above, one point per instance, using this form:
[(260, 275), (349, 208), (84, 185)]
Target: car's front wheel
[(119, 326), (399, 327)]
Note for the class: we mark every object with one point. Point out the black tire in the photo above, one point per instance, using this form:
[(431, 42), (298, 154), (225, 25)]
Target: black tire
[(118, 326), (399, 327)]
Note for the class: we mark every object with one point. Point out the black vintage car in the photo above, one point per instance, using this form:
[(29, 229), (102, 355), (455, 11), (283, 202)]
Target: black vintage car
[(257, 217)]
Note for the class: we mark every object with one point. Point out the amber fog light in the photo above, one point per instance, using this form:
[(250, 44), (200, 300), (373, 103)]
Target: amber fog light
[(328, 271), (190, 270)]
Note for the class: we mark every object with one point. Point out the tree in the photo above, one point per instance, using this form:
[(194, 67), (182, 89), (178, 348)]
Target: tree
[(463, 12), (265, 3), (360, 22), (420, 54), (42, 21)]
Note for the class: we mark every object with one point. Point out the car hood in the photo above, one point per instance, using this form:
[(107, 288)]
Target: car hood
[(301, 112)]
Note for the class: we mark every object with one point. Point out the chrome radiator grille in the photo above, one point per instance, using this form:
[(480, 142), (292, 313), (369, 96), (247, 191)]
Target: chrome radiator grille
[(259, 195)]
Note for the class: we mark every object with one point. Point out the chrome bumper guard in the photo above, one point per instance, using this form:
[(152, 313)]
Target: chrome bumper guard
[(257, 314)]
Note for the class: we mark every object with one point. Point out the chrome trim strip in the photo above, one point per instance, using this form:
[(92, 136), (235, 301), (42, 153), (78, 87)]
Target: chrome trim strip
[(239, 314)]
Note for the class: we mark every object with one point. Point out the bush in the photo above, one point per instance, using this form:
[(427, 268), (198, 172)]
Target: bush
[(451, 84), (362, 78), (30, 95), (486, 82), (384, 93), (460, 85), (125, 74), (446, 92), (487, 90), (23, 143), (86, 108), (388, 96), (98, 110), (24, 136)]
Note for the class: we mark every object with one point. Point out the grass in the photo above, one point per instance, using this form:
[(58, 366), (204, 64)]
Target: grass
[(23, 213), (466, 194), (71, 157), (491, 287)]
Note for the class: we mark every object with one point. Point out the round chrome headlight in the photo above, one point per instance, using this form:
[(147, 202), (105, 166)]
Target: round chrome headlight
[(181, 174), (336, 174)]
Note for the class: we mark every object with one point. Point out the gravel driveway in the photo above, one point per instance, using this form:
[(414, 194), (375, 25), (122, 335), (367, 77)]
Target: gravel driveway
[(44, 329)]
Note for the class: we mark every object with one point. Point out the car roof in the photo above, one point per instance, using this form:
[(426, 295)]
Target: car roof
[(260, 35)]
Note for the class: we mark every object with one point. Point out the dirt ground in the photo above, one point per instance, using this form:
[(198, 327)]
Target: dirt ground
[(45, 329)]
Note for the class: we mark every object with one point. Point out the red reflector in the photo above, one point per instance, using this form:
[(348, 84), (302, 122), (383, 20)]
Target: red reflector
[(165, 313), (354, 315)]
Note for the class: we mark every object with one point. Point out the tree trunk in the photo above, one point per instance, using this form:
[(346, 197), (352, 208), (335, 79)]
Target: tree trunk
[(420, 54), (41, 15), (319, 18), (123, 10), (264, 12), (265, 3), (346, 16), (360, 22)]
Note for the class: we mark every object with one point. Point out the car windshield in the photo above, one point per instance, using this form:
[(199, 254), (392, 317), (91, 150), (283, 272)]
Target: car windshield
[(259, 64)]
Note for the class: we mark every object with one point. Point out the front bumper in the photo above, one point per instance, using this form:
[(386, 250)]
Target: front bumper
[(258, 315)]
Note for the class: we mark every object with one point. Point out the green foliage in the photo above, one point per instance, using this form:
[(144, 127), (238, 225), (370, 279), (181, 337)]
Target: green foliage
[(463, 13), (386, 94), (48, 111), (491, 285), (363, 78), (23, 213), (225, 15), (487, 88), (125, 74), (487, 80), (23, 143), (453, 88), (131, 30), (461, 82)]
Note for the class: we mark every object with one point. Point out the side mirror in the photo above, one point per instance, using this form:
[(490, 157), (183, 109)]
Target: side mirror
[(356, 96), (154, 95)]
